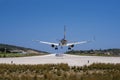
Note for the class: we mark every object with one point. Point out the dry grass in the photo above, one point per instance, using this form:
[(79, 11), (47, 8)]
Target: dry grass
[(59, 72)]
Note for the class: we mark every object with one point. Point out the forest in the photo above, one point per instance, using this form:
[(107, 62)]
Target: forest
[(10, 48), (100, 52)]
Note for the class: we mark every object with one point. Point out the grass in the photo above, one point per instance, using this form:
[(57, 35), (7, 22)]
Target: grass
[(86, 54), (59, 72), (6, 55)]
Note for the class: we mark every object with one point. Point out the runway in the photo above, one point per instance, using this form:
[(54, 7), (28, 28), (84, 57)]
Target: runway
[(71, 60)]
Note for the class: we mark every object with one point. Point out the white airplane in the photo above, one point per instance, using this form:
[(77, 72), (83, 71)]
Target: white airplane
[(63, 42)]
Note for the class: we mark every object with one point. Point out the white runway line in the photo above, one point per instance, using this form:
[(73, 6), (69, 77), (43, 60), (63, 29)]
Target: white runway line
[(72, 60)]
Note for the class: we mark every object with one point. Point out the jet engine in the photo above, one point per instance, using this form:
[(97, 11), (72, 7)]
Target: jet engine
[(71, 46), (54, 46)]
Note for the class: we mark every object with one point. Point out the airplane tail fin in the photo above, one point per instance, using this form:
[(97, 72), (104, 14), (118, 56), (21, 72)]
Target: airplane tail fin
[(64, 32)]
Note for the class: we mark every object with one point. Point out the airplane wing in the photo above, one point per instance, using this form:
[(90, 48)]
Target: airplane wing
[(48, 43), (76, 43)]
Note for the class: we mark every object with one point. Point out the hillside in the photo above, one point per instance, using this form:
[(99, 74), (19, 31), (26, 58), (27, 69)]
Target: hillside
[(105, 52), (17, 49)]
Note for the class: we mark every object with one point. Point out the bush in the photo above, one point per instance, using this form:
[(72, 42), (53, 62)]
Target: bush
[(59, 72)]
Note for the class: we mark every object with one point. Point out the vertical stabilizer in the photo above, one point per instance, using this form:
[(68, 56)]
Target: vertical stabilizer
[(64, 32)]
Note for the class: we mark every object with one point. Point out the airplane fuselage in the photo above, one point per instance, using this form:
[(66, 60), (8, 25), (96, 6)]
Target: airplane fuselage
[(63, 42)]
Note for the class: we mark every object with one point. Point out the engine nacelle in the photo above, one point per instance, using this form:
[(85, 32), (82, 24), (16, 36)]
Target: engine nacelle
[(71, 46), (52, 45)]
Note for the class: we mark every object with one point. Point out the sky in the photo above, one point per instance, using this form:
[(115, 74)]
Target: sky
[(22, 21)]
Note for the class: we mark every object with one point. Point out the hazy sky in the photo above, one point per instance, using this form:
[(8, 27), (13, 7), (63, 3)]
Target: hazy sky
[(22, 21)]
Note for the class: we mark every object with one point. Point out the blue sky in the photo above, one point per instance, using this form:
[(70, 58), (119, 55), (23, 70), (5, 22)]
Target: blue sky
[(22, 21)]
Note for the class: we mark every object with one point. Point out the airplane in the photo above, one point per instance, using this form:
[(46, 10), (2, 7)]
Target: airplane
[(63, 42)]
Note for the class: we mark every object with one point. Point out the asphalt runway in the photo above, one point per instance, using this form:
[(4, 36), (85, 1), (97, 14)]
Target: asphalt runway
[(71, 60)]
